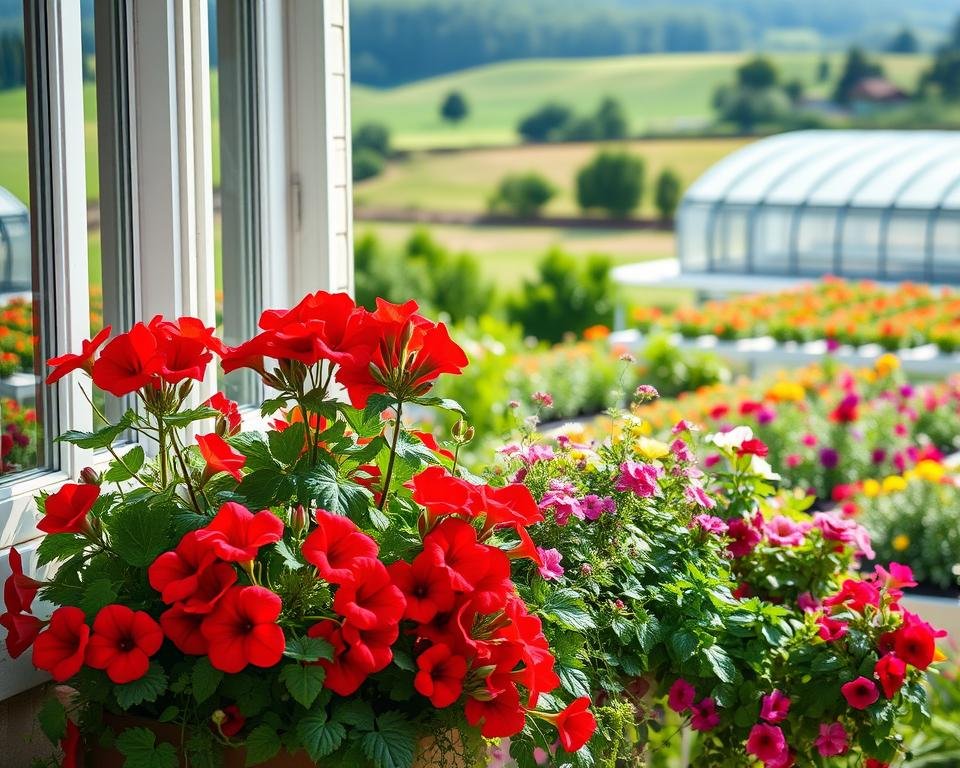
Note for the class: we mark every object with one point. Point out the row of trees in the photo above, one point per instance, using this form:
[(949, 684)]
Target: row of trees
[(559, 122)]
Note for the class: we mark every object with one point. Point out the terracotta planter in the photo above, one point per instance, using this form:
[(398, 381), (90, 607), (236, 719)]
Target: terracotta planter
[(429, 753)]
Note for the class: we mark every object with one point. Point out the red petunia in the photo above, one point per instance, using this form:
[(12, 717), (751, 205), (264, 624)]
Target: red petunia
[(70, 362), (576, 724), (19, 589), (233, 721), (66, 510), (453, 546), (236, 534), (443, 494), (22, 630), (221, 456), (212, 584), (72, 747), (501, 715), (370, 648), (176, 574), (891, 672), (345, 674), (122, 643), (61, 647), (243, 630), (753, 447), (510, 506), (369, 599), (860, 693), (915, 644), (425, 586), (130, 361), (440, 675), (184, 630), (335, 544), (491, 582)]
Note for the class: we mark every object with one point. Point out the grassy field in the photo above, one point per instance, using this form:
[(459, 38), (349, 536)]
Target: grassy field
[(664, 93), (463, 181)]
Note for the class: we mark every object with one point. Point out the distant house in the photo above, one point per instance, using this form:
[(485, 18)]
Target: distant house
[(873, 93)]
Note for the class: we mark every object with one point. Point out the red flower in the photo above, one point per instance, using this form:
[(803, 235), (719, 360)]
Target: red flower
[(891, 672), (18, 590), (186, 347), (345, 673), (22, 630), (221, 456), (184, 630), (576, 724), (236, 534), (443, 494), (431, 442), (130, 361), (914, 643), (122, 643), (369, 600), (501, 715), (69, 362), (243, 630), (212, 584), (846, 410), (60, 648), (872, 762), (831, 629), (451, 627), (229, 423), (753, 447), (176, 574), (232, 721), (453, 546), (440, 675), (491, 582), (425, 586), (72, 747), (860, 693), (370, 649), (510, 506), (334, 546), (66, 510)]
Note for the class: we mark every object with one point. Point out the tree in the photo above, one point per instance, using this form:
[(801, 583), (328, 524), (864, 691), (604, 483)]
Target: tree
[(905, 41), (367, 163), (12, 61), (747, 108), (858, 67), (454, 107), (823, 70), (612, 181), (944, 74), (667, 193), (523, 195), (611, 119), (372, 136), (548, 123), (758, 73), (794, 90)]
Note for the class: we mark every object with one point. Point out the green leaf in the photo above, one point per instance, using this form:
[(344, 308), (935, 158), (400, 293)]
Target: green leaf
[(320, 736), (184, 418), (254, 446), (721, 664), (287, 446), (53, 719), (262, 744), (365, 424), (441, 402), (59, 546), (272, 405), (684, 644), (290, 559), (574, 681), (356, 713), (565, 607), (147, 688), (376, 404), (393, 743), (412, 451), (140, 532), (204, 679), (139, 747), (322, 486), (308, 649), (264, 488), (303, 681), (169, 714), (102, 438), (97, 594), (132, 463)]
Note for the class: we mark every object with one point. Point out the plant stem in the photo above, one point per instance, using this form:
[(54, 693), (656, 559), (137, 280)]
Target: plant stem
[(162, 439), (393, 456), (186, 473)]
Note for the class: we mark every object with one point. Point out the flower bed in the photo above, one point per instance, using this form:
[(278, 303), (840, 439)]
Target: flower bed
[(834, 309)]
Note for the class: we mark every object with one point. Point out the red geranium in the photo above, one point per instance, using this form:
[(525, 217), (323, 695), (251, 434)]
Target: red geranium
[(220, 456), (501, 715), (228, 424), (891, 672), (61, 647), (66, 510), (186, 347), (183, 629), (122, 643), (334, 546), (236, 534), (70, 362), (453, 546), (130, 361), (176, 574), (575, 724), (369, 599), (440, 675), (243, 630), (426, 587)]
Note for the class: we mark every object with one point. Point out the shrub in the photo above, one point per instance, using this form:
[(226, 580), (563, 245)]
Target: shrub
[(611, 119), (673, 371), (454, 107), (667, 193), (566, 297), (523, 194), (373, 136), (367, 163), (548, 123), (612, 181)]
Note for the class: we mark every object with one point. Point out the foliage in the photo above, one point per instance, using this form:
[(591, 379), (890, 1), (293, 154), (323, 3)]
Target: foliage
[(905, 41), (522, 194), (557, 122), (566, 297), (944, 74), (759, 73), (454, 107), (857, 67), (367, 163), (612, 181), (12, 61), (373, 136), (673, 370), (666, 193), (547, 123)]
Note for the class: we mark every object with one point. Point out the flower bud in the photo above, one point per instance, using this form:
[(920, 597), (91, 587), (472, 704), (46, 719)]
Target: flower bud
[(90, 476), (462, 432), (586, 569), (219, 717), (298, 520)]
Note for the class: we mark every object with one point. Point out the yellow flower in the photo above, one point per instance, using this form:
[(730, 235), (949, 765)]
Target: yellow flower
[(887, 364), (893, 483), (652, 449), (871, 488), (900, 542), (786, 391), (929, 470)]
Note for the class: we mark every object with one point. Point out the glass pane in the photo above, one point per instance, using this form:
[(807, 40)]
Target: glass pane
[(771, 241), (21, 407), (946, 247), (816, 239), (692, 226), (731, 256), (860, 246), (906, 248)]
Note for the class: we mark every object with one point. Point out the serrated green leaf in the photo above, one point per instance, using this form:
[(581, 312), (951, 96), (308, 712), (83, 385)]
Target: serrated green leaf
[(147, 688), (140, 532), (355, 713), (322, 486), (132, 463), (59, 546), (377, 403), (184, 418), (574, 681), (262, 744), (97, 594), (446, 403), (290, 558), (139, 747), (362, 422), (412, 451), (102, 438), (254, 446), (265, 488), (287, 446), (53, 719), (304, 681), (204, 679), (393, 743), (721, 664), (564, 607), (308, 649), (320, 736), (169, 714), (684, 644)]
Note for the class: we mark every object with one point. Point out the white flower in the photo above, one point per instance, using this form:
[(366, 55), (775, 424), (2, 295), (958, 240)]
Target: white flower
[(762, 468), (731, 440)]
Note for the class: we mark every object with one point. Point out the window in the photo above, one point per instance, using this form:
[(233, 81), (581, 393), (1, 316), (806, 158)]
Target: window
[(816, 241), (905, 246), (771, 236)]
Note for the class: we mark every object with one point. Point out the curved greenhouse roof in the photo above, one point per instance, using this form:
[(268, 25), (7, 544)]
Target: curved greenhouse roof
[(880, 204)]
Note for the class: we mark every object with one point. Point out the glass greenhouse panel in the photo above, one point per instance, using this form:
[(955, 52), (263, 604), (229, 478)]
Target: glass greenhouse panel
[(946, 247), (905, 255), (692, 240), (733, 227), (860, 243), (771, 237), (816, 241)]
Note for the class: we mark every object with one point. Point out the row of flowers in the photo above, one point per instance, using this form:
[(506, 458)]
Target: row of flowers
[(836, 310), (338, 583)]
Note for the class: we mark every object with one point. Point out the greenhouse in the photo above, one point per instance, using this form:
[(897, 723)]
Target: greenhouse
[(876, 204)]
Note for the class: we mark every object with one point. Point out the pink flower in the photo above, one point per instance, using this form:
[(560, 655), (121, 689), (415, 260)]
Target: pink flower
[(710, 524), (846, 531), (705, 717), (646, 392), (744, 537), (593, 506), (551, 570), (860, 693), (767, 744), (784, 532), (684, 426), (898, 577), (543, 399), (680, 449), (831, 630), (639, 477), (775, 707), (563, 504), (809, 440), (681, 696), (832, 740), (807, 603), (793, 460), (712, 460), (696, 495)]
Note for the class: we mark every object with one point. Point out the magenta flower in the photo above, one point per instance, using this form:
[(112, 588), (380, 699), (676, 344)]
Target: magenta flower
[(679, 449), (550, 570), (767, 744), (712, 460), (696, 495), (639, 477), (684, 426), (860, 693), (681, 696), (784, 532), (593, 506), (645, 392), (831, 630), (745, 537), (774, 707), (543, 399), (710, 524), (809, 440), (832, 740), (829, 458), (846, 531), (704, 715), (807, 603)]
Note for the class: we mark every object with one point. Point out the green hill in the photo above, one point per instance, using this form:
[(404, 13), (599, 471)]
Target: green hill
[(662, 93)]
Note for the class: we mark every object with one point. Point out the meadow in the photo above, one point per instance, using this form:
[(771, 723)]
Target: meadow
[(663, 93)]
